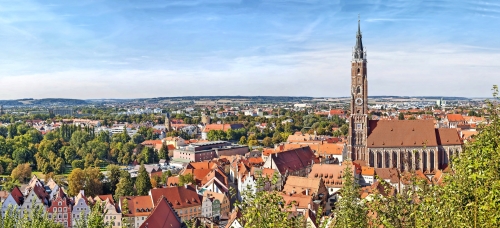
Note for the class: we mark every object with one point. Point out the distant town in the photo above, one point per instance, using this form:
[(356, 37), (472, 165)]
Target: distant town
[(355, 161)]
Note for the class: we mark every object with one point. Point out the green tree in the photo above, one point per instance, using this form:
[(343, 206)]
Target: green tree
[(401, 116), (142, 183), (349, 212), (113, 176), (267, 142), (22, 172), (266, 209), (243, 140), (78, 164), (9, 185), (163, 152), (186, 179), (125, 186), (76, 181)]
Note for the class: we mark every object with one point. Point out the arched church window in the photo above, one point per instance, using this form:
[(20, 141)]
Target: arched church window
[(358, 89), (359, 70)]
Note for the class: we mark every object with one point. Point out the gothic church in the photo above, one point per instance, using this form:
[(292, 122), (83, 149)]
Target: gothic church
[(402, 144)]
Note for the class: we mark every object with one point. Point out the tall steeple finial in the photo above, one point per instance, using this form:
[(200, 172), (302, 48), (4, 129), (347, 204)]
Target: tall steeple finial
[(358, 49)]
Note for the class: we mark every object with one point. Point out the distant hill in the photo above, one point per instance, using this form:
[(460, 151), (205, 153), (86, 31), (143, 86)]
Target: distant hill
[(43, 102)]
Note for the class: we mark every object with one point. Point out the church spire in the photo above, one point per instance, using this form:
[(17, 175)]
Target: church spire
[(358, 52)]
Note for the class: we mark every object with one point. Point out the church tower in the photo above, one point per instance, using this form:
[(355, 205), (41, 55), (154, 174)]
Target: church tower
[(358, 121)]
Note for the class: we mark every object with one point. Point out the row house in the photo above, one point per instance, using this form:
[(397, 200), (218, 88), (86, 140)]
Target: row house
[(13, 201), (81, 208), (224, 205), (50, 199), (60, 209), (113, 215)]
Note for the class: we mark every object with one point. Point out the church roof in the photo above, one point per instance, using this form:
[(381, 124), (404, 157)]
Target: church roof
[(401, 133), (448, 136)]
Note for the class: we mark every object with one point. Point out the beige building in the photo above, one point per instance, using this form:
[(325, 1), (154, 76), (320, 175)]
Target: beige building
[(112, 216)]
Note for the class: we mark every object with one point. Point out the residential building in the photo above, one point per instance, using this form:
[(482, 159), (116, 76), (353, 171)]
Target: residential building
[(136, 209), (162, 216), (81, 208), (221, 211), (14, 200), (113, 215), (296, 162), (184, 200), (314, 187), (60, 209)]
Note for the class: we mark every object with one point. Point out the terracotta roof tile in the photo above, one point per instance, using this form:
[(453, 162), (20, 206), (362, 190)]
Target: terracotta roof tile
[(448, 136), (162, 216), (178, 196), (401, 133)]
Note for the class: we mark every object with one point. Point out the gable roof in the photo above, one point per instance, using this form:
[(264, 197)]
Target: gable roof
[(17, 195), (390, 174), (295, 184), (330, 173), (293, 160), (162, 216), (401, 133), (178, 196), (455, 118), (137, 205)]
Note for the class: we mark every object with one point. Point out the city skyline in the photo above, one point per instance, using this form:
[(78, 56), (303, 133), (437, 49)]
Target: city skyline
[(118, 49)]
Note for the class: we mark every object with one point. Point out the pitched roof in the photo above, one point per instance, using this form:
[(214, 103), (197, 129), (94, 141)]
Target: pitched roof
[(236, 214), (330, 173), (293, 160), (178, 196), (367, 171), (138, 205), (455, 118), (391, 174), (201, 165), (401, 133), (295, 184), (298, 200), (104, 197), (162, 216), (17, 195), (320, 147), (448, 136)]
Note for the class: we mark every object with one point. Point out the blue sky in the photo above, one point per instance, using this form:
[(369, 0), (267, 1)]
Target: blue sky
[(141, 48)]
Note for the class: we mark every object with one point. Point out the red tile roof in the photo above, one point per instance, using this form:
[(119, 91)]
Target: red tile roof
[(293, 160), (455, 118), (17, 195), (138, 205), (401, 133), (448, 136), (178, 196), (162, 216)]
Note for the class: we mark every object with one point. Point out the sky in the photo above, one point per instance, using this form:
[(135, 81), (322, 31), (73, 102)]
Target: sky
[(143, 48)]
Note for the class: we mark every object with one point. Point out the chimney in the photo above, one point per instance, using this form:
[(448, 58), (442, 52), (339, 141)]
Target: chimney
[(186, 186)]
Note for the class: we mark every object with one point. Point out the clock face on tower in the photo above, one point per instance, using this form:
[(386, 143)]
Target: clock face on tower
[(359, 101)]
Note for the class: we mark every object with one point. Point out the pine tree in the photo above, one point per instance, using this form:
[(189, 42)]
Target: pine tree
[(142, 183)]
